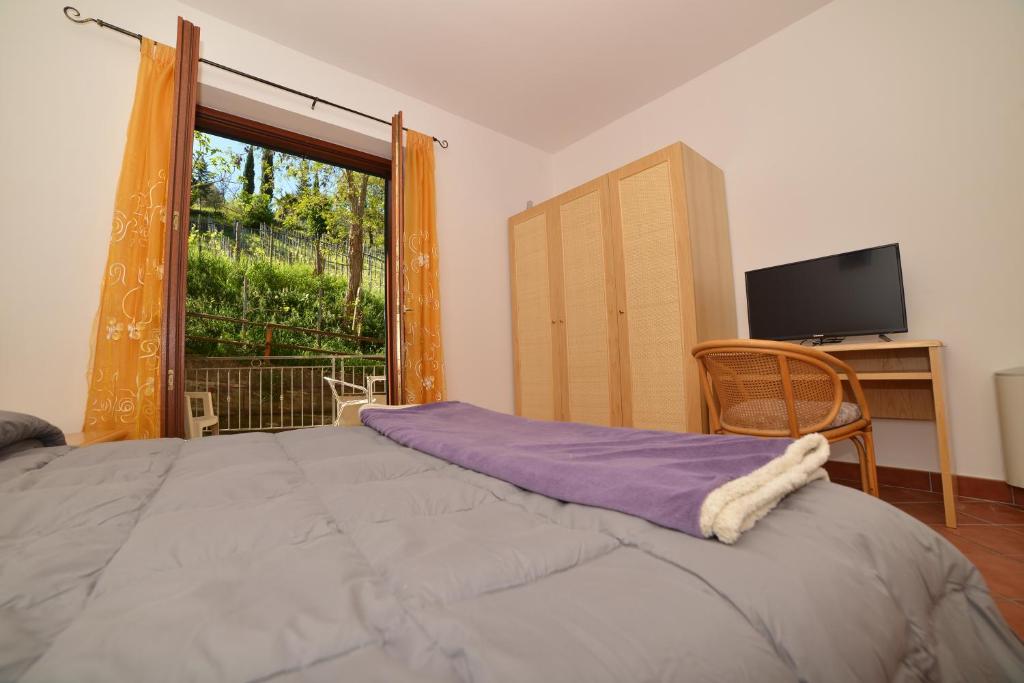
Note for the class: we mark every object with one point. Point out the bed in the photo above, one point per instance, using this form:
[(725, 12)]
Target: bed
[(336, 554)]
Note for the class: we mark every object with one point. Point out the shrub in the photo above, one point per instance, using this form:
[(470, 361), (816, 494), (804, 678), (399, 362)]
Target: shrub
[(257, 290)]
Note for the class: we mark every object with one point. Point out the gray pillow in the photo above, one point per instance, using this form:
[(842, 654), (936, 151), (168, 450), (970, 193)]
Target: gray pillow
[(19, 432)]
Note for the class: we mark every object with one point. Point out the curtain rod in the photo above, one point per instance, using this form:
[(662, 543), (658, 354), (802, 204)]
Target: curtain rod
[(69, 10)]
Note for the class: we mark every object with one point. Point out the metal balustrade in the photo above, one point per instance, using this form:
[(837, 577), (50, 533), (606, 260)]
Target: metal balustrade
[(273, 393)]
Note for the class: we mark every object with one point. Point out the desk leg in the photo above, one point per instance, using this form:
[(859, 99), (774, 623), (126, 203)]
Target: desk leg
[(942, 432)]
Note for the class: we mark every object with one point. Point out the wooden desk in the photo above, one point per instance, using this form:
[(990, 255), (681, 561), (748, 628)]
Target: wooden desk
[(903, 380)]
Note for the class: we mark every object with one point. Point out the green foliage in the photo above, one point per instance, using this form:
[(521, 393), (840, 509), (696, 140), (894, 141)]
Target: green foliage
[(373, 213), (273, 292), (311, 213), (325, 203), (214, 172), (205, 191), (251, 210)]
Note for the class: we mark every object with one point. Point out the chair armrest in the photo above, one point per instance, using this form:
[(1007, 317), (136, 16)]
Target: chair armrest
[(334, 382)]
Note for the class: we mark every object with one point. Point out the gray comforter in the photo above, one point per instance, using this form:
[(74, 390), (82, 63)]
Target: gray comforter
[(336, 555)]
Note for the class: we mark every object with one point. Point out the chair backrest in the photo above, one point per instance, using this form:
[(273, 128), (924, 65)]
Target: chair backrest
[(371, 384), (206, 397), (766, 388), (192, 430), (338, 386)]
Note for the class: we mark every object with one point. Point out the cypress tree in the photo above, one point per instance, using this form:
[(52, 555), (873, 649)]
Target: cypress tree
[(267, 173), (249, 172)]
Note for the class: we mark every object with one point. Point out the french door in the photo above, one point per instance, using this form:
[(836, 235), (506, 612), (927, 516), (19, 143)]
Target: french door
[(188, 117)]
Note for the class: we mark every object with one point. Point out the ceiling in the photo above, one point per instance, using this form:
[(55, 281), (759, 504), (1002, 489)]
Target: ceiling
[(546, 72)]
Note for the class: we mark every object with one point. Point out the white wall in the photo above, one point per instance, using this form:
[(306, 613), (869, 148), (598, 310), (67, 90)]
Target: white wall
[(67, 92), (868, 122)]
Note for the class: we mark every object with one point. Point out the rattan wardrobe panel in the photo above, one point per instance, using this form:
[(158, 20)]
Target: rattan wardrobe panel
[(651, 280), (533, 334), (591, 396)]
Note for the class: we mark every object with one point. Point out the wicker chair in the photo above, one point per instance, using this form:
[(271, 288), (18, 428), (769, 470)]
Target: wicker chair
[(775, 389)]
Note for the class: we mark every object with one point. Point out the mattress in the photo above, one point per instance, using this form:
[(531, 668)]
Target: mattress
[(336, 554)]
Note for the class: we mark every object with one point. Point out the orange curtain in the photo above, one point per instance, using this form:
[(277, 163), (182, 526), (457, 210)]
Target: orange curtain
[(422, 354), (124, 375)]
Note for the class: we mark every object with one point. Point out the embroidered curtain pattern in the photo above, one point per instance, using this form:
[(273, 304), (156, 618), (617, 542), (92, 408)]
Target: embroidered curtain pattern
[(422, 354), (124, 375)]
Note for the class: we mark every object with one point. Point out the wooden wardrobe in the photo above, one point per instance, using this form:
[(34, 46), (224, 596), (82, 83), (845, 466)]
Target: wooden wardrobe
[(613, 283)]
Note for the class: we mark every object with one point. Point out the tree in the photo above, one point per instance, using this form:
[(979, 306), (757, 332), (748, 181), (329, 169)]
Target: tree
[(355, 187), (300, 171), (207, 162), (311, 213), (249, 172), (251, 210), (267, 173)]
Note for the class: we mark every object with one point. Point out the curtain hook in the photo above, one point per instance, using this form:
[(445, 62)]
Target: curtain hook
[(315, 100)]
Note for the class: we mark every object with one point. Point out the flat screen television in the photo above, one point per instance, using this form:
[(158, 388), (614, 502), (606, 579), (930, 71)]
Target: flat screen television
[(859, 292)]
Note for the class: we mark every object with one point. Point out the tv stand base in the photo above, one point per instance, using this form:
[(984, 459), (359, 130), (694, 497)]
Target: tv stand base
[(818, 341)]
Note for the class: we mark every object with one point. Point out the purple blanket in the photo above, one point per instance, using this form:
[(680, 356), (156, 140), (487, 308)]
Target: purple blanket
[(663, 477)]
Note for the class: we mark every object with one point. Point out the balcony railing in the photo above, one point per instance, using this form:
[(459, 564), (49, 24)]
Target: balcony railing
[(272, 393), (268, 340)]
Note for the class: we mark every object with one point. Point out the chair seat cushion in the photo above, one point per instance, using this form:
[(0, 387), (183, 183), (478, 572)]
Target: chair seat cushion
[(770, 413), (848, 412)]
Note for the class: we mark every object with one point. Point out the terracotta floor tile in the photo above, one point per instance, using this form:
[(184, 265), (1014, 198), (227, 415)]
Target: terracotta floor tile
[(1004, 575), (996, 513), (1007, 540), (1013, 612), (968, 547), (933, 513), (895, 494)]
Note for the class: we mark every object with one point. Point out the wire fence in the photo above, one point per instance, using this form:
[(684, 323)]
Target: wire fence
[(279, 245)]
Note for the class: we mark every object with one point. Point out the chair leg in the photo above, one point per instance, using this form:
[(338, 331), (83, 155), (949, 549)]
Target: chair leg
[(869, 447), (865, 479)]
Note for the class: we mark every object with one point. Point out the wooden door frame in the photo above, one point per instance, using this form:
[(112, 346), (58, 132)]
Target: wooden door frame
[(252, 132), (179, 190), (242, 129), (394, 301)]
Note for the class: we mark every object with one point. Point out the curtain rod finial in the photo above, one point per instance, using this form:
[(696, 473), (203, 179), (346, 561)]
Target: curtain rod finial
[(69, 11), (443, 143)]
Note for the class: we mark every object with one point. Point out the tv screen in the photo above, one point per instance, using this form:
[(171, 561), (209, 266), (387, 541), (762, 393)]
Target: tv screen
[(860, 292)]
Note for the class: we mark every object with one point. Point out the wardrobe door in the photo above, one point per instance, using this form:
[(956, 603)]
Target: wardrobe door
[(588, 321), (655, 294), (533, 316)]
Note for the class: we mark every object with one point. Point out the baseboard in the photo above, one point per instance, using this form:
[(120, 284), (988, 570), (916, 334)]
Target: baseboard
[(922, 480)]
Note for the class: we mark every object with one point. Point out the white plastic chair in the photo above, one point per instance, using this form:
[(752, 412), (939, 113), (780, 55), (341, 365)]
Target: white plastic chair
[(195, 424), (338, 390), (371, 384)]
